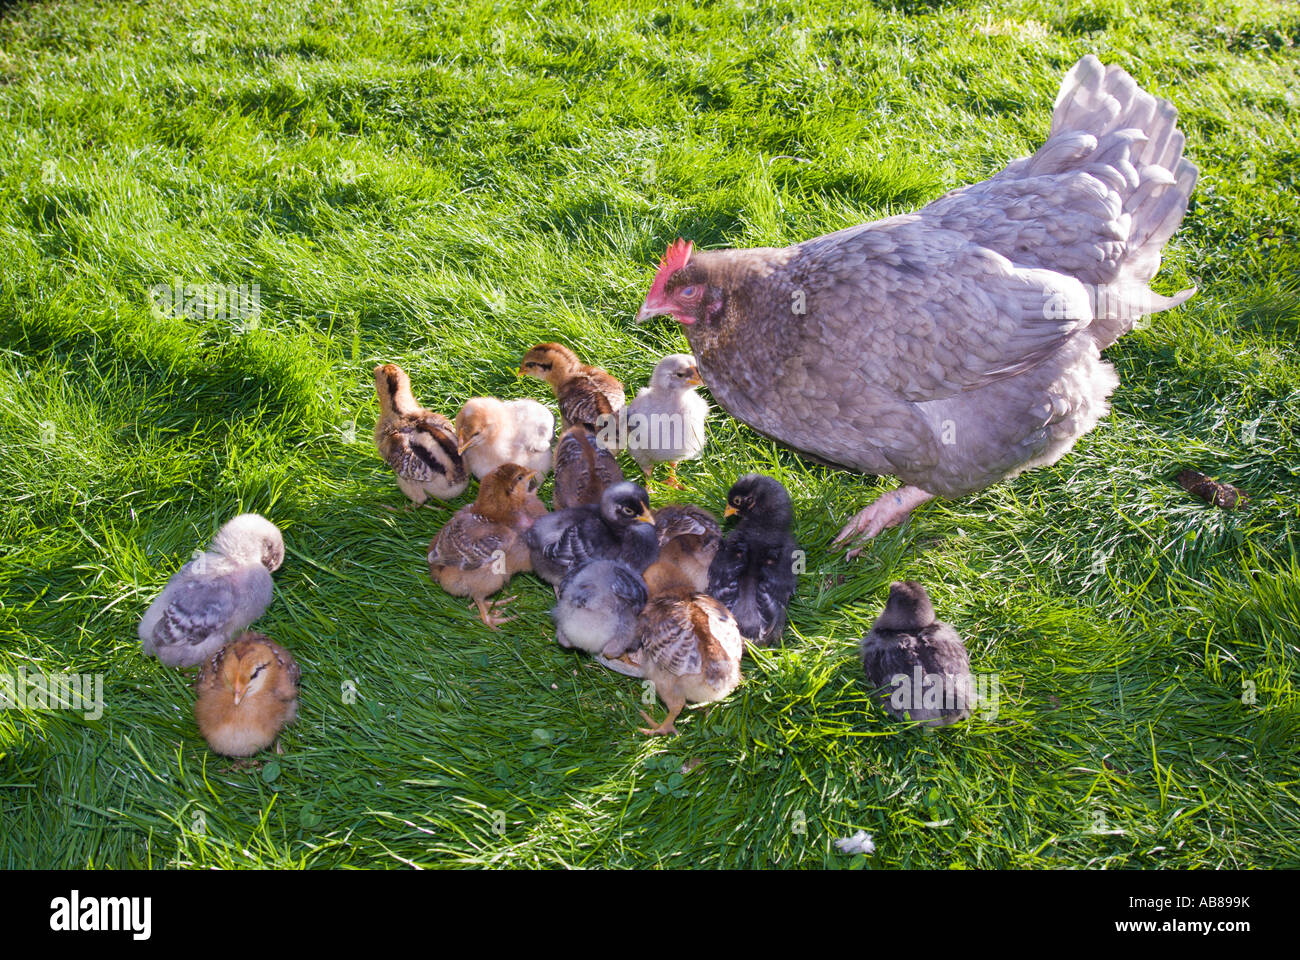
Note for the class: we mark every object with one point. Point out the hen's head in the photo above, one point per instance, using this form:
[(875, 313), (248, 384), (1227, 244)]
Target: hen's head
[(683, 289)]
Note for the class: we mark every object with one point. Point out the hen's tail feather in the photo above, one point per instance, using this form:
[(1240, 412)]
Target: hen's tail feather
[(1104, 124)]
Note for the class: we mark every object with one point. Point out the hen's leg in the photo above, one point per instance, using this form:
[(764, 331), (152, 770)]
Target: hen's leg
[(888, 511)]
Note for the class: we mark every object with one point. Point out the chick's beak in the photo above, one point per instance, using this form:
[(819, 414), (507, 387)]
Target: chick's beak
[(647, 516), (730, 511), (695, 380), (239, 693), (471, 442)]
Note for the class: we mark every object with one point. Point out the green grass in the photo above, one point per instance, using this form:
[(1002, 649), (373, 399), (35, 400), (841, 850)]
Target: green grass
[(442, 188)]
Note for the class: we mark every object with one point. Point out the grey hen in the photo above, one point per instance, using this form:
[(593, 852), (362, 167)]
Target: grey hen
[(959, 345), (917, 665)]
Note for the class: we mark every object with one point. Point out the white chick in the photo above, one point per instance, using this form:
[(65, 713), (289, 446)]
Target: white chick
[(492, 432), (665, 423), (216, 595)]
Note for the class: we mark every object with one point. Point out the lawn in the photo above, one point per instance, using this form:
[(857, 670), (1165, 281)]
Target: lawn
[(441, 186)]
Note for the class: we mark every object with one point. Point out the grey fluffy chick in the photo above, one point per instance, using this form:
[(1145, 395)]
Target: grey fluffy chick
[(597, 608), (917, 664), (216, 595)]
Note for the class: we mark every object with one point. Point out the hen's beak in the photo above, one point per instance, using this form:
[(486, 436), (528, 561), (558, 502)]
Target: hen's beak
[(659, 308)]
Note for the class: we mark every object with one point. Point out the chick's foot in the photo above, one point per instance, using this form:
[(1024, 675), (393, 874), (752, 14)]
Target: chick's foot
[(887, 511), (491, 620)]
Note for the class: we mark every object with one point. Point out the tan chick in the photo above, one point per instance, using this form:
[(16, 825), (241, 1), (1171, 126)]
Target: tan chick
[(583, 469), (585, 394), (247, 693), (690, 645), (689, 537), (482, 546), (492, 432), (419, 445)]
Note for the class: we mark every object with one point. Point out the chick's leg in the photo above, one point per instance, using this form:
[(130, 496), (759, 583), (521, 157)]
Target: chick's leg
[(674, 702), (491, 620), (672, 480), (887, 511)]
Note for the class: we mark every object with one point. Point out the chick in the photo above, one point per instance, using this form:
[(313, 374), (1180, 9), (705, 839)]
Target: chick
[(216, 595), (247, 693), (482, 546), (418, 444), (597, 606), (620, 527), (689, 537), (689, 644), (918, 665), (665, 421), (492, 432), (753, 572), (585, 394), (583, 469)]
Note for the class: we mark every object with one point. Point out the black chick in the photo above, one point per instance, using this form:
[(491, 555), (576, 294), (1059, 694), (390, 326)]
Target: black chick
[(620, 527), (753, 571), (917, 664)]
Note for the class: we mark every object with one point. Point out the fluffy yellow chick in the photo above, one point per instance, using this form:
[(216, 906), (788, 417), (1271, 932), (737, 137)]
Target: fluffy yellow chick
[(418, 444), (247, 693), (492, 432)]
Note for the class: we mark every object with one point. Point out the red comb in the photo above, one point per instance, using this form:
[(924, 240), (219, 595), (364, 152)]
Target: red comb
[(676, 257)]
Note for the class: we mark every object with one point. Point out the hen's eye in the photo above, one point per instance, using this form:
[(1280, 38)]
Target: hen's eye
[(689, 291)]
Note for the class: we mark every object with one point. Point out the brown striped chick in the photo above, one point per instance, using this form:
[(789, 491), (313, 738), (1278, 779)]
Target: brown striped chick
[(482, 546), (583, 469), (689, 537), (690, 645), (585, 394), (492, 432), (247, 692), (418, 444)]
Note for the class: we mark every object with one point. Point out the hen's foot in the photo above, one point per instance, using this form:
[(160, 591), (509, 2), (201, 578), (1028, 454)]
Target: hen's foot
[(888, 511)]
